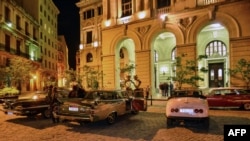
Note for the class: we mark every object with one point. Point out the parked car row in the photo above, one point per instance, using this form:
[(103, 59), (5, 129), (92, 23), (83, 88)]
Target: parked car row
[(193, 105), (96, 105), (181, 106)]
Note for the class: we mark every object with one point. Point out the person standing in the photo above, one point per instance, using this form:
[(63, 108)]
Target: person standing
[(161, 86), (74, 92), (166, 89), (53, 103), (171, 87)]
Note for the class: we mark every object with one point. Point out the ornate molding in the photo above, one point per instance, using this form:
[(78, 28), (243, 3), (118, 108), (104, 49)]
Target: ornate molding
[(143, 29), (184, 23)]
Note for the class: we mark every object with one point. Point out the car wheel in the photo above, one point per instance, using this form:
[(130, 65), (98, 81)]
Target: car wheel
[(46, 113), (206, 123), (247, 106), (83, 122), (169, 122), (134, 112), (31, 116), (111, 118)]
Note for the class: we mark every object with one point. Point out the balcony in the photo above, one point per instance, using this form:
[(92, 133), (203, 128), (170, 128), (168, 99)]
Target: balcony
[(208, 2)]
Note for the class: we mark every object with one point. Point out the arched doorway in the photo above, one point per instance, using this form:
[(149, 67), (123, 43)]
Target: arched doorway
[(213, 41), (163, 52), (125, 56)]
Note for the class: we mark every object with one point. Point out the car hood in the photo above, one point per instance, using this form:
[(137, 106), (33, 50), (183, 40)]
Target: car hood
[(34, 95)]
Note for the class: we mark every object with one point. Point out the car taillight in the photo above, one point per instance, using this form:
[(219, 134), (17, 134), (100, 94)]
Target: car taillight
[(174, 110), (198, 110)]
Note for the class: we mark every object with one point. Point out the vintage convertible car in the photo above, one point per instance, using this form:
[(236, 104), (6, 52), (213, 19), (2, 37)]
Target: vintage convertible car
[(30, 104), (99, 105), (226, 97), (187, 105)]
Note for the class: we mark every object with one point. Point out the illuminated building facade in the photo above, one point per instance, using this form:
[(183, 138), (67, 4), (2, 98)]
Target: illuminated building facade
[(29, 30), (151, 33)]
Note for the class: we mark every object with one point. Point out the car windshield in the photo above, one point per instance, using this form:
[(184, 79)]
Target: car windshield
[(187, 94), (228, 91), (104, 95)]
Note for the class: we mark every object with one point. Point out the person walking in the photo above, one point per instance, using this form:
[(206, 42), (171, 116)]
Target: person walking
[(53, 103)]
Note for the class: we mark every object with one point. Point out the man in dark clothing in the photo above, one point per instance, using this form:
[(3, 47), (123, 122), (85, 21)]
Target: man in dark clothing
[(73, 93), (166, 89), (171, 86), (81, 92), (53, 103)]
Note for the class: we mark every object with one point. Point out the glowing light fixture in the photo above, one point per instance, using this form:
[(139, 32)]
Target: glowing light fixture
[(163, 16), (95, 43), (9, 24), (81, 46), (142, 15), (107, 23)]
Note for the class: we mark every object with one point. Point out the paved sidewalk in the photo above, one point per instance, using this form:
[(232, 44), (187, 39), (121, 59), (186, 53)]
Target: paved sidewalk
[(156, 103)]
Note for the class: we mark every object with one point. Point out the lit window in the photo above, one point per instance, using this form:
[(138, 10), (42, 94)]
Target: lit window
[(216, 47)]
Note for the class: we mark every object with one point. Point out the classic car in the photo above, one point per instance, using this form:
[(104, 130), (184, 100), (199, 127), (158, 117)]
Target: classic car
[(187, 106), (32, 103), (99, 105), (226, 97)]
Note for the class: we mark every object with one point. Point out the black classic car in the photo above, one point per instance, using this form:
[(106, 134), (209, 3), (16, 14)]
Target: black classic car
[(31, 104), (100, 105)]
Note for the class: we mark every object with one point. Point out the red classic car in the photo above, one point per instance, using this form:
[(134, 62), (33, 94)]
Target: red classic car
[(228, 98)]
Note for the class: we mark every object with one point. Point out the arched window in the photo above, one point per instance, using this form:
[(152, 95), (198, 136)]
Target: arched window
[(173, 54), (216, 47), (89, 57)]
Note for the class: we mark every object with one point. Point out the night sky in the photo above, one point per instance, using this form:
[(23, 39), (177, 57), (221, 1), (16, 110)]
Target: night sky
[(69, 26)]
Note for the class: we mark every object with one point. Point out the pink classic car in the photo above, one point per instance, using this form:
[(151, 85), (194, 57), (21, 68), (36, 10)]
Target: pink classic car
[(228, 98), (187, 106)]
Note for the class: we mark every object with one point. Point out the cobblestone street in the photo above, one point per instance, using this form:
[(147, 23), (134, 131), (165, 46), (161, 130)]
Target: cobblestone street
[(145, 126)]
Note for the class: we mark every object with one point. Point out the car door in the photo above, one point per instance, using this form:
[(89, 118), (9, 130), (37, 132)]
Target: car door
[(216, 99), (139, 102), (117, 102), (231, 98)]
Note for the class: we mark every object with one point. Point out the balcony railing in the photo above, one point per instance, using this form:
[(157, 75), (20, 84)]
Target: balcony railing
[(18, 53), (163, 10), (208, 2)]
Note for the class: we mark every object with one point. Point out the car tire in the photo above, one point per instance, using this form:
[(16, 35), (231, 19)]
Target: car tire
[(82, 123), (46, 113), (134, 112), (206, 123), (169, 122), (246, 106), (111, 118)]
